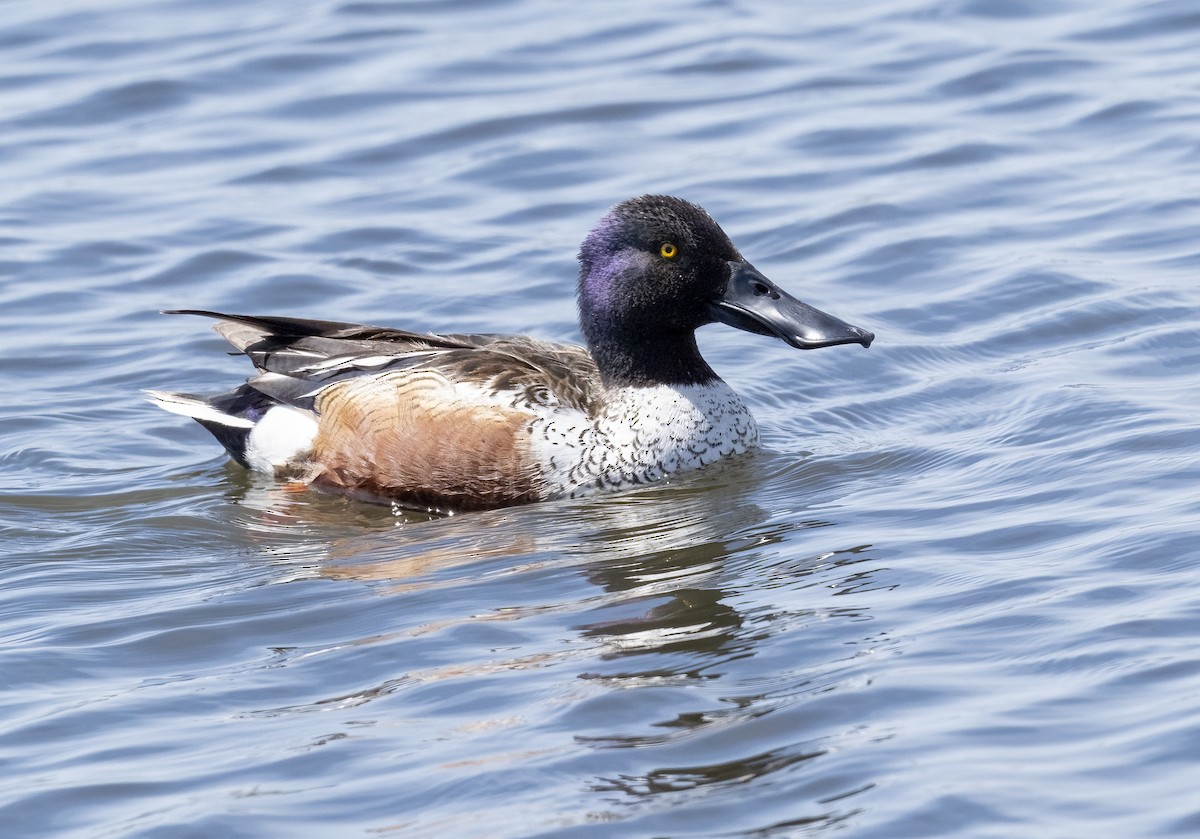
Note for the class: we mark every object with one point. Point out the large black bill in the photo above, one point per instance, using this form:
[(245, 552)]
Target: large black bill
[(755, 304)]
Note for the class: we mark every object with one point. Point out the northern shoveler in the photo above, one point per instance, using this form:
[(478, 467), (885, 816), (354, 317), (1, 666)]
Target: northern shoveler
[(448, 423)]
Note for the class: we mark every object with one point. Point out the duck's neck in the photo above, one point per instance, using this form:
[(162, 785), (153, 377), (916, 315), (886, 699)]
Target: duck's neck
[(649, 360)]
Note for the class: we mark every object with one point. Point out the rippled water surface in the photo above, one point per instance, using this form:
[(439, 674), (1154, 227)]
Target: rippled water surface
[(957, 594)]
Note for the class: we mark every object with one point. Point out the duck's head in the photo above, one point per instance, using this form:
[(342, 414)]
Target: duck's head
[(657, 268)]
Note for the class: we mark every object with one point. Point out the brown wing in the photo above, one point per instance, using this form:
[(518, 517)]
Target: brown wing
[(297, 358), (542, 371)]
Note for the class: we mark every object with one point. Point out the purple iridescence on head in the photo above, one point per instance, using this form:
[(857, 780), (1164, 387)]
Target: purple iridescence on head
[(598, 284), (602, 260)]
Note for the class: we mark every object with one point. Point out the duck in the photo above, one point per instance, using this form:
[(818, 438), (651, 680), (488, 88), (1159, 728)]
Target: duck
[(449, 423)]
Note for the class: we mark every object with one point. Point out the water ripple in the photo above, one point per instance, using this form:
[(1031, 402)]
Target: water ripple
[(932, 604)]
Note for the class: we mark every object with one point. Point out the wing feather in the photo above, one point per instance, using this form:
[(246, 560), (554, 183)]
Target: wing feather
[(296, 358)]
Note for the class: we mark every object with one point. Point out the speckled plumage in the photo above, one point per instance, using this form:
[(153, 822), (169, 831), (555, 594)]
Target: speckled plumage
[(462, 422), (641, 435)]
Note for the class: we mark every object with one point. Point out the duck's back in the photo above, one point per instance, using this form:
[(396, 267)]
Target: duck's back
[(298, 358)]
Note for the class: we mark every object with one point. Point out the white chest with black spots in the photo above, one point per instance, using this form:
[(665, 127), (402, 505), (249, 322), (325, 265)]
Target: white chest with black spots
[(641, 435)]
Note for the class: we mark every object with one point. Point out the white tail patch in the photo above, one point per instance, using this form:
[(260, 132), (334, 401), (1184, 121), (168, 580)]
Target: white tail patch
[(197, 409), (281, 437)]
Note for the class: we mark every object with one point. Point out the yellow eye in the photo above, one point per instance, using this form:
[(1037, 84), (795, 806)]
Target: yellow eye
[(668, 250)]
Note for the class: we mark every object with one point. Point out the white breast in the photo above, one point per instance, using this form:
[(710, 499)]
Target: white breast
[(641, 435)]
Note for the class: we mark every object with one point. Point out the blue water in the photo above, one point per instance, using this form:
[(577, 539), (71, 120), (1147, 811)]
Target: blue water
[(958, 593)]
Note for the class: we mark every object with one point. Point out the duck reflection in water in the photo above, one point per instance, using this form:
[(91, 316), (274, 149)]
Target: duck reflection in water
[(656, 650), (660, 555)]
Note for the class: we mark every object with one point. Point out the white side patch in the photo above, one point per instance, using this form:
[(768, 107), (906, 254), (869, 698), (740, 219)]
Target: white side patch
[(195, 408), (282, 435), (640, 435)]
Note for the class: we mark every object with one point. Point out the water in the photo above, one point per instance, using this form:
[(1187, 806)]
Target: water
[(957, 594)]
